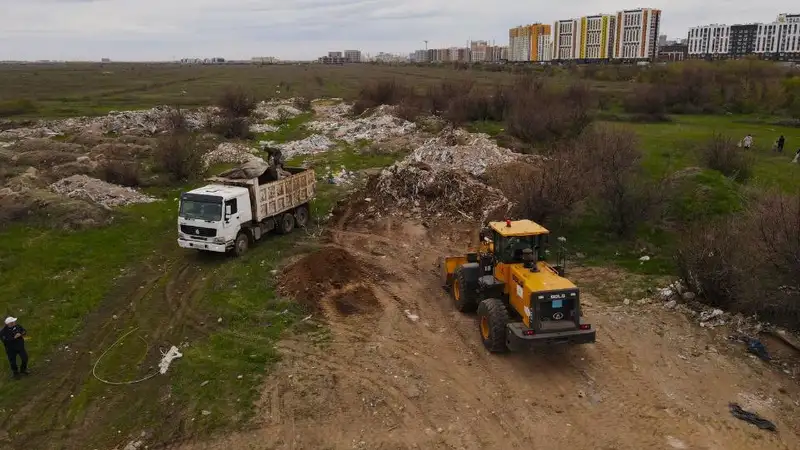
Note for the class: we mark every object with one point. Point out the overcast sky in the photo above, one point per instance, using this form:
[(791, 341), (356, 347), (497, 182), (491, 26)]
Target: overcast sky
[(144, 30)]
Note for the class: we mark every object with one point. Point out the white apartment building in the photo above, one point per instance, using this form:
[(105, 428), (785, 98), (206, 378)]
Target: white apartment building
[(544, 48), (709, 40), (478, 51), (352, 56), (780, 38), (565, 34), (637, 34), (519, 48)]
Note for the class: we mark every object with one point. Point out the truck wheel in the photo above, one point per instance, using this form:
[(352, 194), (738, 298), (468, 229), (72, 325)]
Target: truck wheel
[(286, 223), (301, 216), (463, 297), (493, 317), (241, 244)]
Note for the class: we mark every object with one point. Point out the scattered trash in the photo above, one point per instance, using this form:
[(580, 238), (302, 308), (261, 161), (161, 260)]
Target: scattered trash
[(343, 176), (205, 412), (750, 417), (757, 348), (134, 445), (670, 304), (97, 191), (460, 150), (277, 109), (172, 354), (378, 127), (263, 128), (316, 143), (308, 317), (644, 258), (712, 318), (675, 443), (412, 317), (204, 383)]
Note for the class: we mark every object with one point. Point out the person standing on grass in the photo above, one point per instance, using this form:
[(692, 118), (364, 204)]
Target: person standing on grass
[(796, 159), (747, 142), (13, 339), (781, 143)]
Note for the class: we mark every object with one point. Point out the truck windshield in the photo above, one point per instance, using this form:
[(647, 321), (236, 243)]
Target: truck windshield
[(203, 210)]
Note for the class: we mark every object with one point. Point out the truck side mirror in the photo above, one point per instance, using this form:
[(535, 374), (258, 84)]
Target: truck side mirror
[(227, 210)]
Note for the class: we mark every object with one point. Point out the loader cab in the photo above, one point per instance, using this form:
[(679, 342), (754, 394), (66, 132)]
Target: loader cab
[(511, 239)]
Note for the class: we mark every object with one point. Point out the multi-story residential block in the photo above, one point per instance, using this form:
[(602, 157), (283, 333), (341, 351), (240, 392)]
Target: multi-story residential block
[(780, 39), (637, 34), (335, 55), (596, 37), (353, 56), (478, 51), (565, 40), (709, 41), (530, 43), (743, 40), (673, 52)]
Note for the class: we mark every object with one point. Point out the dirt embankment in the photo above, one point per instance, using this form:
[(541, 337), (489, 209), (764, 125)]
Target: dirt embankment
[(410, 372)]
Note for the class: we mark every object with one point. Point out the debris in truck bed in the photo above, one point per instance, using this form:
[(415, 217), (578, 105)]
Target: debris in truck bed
[(228, 152)]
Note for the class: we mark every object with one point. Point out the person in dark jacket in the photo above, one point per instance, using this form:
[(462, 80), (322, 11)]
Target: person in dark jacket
[(781, 143), (13, 339)]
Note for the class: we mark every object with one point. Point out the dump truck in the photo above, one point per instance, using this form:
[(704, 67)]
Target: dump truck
[(521, 300), (231, 214)]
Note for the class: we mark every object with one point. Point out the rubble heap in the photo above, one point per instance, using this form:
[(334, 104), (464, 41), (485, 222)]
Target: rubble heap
[(377, 127), (276, 109), (428, 192), (97, 191), (315, 143), (461, 150), (142, 122), (228, 152)]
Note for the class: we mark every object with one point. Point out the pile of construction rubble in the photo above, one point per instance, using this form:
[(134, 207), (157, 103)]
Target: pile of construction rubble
[(229, 152), (377, 127), (460, 150), (316, 143), (277, 109), (144, 122), (97, 191)]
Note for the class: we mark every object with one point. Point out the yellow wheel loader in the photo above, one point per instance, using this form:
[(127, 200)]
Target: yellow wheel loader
[(521, 300)]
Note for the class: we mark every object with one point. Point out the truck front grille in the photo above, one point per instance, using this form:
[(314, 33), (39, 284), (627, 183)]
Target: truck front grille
[(198, 231)]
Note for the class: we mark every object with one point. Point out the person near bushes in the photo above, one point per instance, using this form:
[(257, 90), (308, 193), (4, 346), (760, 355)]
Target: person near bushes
[(796, 159), (781, 143), (13, 337), (747, 142)]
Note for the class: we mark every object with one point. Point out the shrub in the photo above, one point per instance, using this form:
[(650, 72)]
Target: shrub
[(540, 113), (232, 127), (122, 173), (647, 100), (302, 103), (17, 107), (384, 92), (236, 102), (180, 156), (749, 263), (176, 121), (541, 193), (611, 163), (722, 154)]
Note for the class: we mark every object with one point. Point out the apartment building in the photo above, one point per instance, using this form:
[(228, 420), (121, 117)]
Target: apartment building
[(353, 56), (780, 39), (709, 41), (565, 40), (596, 37), (530, 43), (743, 40), (637, 34)]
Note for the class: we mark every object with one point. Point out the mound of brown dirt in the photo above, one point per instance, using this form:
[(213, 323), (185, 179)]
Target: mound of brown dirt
[(317, 275), (360, 300)]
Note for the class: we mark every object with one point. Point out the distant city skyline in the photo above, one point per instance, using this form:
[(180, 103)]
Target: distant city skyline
[(146, 30)]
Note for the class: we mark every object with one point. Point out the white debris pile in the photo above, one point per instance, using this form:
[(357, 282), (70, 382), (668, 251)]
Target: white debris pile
[(316, 143), (276, 109), (228, 152), (376, 128), (262, 128), (464, 151), (409, 187), (140, 122), (339, 177), (711, 318), (336, 110), (97, 191)]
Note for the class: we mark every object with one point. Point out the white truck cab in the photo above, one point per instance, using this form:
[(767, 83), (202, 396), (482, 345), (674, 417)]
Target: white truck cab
[(231, 214)]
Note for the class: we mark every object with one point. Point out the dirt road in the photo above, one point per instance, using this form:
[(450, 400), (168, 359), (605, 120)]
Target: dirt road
[(402, 369)]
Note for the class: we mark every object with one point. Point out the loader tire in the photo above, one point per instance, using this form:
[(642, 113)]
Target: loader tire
[(464, 297), (493, 318)]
